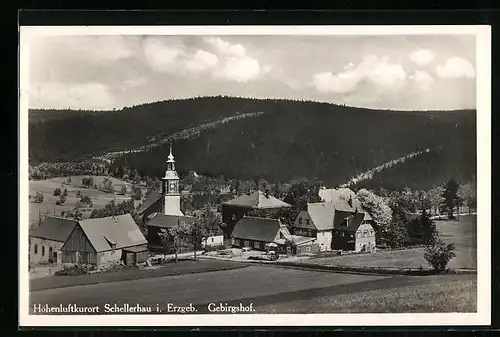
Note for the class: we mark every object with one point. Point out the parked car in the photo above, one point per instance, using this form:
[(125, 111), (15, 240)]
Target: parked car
[(225, 252), (272, 255)]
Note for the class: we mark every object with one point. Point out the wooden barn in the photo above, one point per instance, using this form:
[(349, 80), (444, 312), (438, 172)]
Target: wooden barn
[(105, 241)]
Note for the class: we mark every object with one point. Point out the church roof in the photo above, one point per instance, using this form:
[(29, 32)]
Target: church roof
[(168, 221), (257, 200), (171, 175), (151, 199)]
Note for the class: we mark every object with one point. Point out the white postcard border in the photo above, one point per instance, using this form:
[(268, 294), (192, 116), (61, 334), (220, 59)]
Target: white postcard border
[(483, 96)]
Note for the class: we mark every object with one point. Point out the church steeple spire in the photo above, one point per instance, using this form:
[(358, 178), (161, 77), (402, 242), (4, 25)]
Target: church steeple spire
[(170, 160), (170, 189)]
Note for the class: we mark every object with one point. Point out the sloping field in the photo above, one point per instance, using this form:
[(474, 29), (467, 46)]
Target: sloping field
[(428, 294), (47, 187)]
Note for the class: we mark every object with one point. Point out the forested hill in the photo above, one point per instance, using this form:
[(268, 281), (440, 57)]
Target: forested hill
[(286, 140)]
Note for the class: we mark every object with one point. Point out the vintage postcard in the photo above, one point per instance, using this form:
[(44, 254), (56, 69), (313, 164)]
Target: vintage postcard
[(278, 175)]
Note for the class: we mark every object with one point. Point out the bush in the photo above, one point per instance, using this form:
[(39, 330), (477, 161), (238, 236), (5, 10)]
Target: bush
[(438, 253), (38, 198), (57, 192), (73, 271)]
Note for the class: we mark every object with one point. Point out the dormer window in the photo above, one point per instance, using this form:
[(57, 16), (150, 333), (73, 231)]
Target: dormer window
[(111, 242)]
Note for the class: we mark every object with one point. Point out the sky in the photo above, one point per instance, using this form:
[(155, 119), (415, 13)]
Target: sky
[(384, 72)]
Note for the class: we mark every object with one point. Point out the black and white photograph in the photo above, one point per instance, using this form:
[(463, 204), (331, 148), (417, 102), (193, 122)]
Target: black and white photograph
[(177, 175)]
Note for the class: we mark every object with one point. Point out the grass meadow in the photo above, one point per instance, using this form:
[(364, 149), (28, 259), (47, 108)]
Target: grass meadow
[(462, 233), (440, 294), (49, 207)]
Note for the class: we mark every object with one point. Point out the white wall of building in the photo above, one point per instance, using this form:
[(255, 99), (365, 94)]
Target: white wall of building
[(109, 258), (43, 246), (173, 205), (365, 236), (324, 240), (213, 241)]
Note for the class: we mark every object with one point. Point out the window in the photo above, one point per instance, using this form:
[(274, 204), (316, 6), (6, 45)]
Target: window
[(212, 240), (36, 249), (341, 234), (307, 221), (300, 221), (256, 244), (308, 248), (43, 250), (50, 253)]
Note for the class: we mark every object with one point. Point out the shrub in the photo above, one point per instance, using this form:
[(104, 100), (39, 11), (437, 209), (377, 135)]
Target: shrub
[(57, 192), (85, 199), (438, 253), (38, 197), (78, 194)]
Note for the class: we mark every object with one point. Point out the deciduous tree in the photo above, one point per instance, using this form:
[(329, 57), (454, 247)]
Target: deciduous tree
[(438, 254)]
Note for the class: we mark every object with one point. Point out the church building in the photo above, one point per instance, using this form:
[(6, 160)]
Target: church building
[(163, 209)]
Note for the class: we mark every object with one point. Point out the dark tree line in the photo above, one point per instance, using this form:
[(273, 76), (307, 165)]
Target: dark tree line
[(291, 140)]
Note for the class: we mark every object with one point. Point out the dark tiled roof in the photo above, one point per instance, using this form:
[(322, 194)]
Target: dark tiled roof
[(120, 230), (167, 221), (259, 229), (258, 200), (353, 222), (54, 228), (151, 199)]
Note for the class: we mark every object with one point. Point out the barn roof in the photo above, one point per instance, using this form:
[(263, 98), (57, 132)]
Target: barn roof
[(254, 228), (54, 228), (151, 199), (120, 230), (257, 199), (167, 221)]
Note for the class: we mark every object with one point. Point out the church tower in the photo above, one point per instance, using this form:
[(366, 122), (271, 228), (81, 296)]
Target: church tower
[(170, 188)]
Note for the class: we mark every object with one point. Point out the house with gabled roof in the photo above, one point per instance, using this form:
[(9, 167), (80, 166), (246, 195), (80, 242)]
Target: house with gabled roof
[(47, 239), (234, 210), (105, 241), (258, 233), (338, 224)]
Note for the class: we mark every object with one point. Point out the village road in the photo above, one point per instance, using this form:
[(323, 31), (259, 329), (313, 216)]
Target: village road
[(255, 284)]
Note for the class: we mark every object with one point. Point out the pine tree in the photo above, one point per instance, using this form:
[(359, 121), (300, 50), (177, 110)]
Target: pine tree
[(450, 196)]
